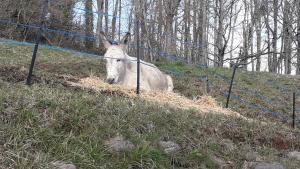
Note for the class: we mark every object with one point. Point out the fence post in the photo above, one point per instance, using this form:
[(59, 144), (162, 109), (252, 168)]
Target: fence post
[(137, 32), (231, 83), (294, 110), (207, 85), (37, 41)]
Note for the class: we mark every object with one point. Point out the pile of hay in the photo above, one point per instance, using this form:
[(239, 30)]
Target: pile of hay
[(205, 104)]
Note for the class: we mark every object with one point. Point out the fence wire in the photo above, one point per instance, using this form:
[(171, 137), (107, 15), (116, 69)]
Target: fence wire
[(160, 53)]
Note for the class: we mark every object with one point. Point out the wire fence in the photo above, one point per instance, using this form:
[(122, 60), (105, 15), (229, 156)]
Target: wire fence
[(95, 37), (253, 92), (90, 38), (249, 104)]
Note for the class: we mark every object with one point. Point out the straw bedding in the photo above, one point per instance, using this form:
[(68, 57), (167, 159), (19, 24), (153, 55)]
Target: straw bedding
[(205, 104)]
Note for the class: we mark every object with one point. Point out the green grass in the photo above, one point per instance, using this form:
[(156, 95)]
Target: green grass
[(50, 121)]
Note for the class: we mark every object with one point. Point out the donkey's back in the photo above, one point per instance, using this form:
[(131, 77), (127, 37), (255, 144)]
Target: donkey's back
[(151, 78)]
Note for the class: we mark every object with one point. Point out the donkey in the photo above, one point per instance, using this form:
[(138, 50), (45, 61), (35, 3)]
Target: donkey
[(122, 69)]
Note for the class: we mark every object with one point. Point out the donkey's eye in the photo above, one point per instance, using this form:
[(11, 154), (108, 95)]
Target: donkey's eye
[(118, 60)]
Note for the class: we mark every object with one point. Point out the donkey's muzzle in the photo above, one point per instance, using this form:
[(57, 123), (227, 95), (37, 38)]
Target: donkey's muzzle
[(110, 80)]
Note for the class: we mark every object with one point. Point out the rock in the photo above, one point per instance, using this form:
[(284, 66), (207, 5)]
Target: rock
[(63, 165), (228, 145), (269, 166), (218, 160), (169, 147), (203, 166), (228, 165), (147, 128), (253, 156), (294, 155), (150, 126), (261, 165), (118, 143), (222, 164)]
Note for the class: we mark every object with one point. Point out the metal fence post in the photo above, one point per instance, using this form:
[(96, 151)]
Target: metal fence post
[(294, 110), (37, 41), (137, 32), (231, 83), (207, 85)]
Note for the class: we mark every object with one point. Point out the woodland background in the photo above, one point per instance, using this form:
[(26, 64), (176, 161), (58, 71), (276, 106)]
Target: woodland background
[(261, 35)]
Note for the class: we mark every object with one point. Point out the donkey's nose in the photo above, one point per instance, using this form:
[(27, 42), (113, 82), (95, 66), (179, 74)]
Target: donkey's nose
[(110, 80)]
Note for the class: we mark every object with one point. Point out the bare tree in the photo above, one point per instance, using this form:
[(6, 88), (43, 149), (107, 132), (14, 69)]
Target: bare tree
[(100, 6), (258, 27), (187, 30), (298, 36), (89, 24), (274, 63), (287, 37), (114, 19), (198, 32)]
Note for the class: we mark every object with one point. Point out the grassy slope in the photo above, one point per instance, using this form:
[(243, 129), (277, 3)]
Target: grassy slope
[(49, 121), (270, 91)]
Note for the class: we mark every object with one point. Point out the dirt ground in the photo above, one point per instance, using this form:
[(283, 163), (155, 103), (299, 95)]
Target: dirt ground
[(15, 74)]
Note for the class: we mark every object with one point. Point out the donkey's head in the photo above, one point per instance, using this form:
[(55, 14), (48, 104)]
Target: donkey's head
[(116, 58)]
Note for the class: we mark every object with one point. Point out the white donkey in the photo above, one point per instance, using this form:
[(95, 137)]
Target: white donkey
[(122, 69)]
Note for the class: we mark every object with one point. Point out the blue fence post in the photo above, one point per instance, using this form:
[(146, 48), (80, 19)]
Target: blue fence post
[(38, 39)]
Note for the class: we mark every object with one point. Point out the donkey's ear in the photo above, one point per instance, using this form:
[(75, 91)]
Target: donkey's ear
[(104, 40), (124, 41)]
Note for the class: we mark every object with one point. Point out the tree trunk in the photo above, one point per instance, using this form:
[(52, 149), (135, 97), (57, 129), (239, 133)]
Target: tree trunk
[(100, 5), (203, 43), (220, 43), (268, 32), (232, 35), (201, 30), (298, 37), (251, 34), (287, 37), (187, 31), (245, 49), (171, 7), (120, 16), (258, 27), (89, 25), (194, 44), (114, 20), (216, 50), (274, 38), (106, 17)]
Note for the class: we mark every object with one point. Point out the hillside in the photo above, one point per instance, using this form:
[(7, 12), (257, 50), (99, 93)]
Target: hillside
[(53, 121)]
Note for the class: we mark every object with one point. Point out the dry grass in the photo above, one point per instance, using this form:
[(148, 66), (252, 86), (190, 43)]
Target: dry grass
[(205, 104)]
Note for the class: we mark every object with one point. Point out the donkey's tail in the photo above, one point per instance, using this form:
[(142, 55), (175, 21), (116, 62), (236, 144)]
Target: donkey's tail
[(170, 83)]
